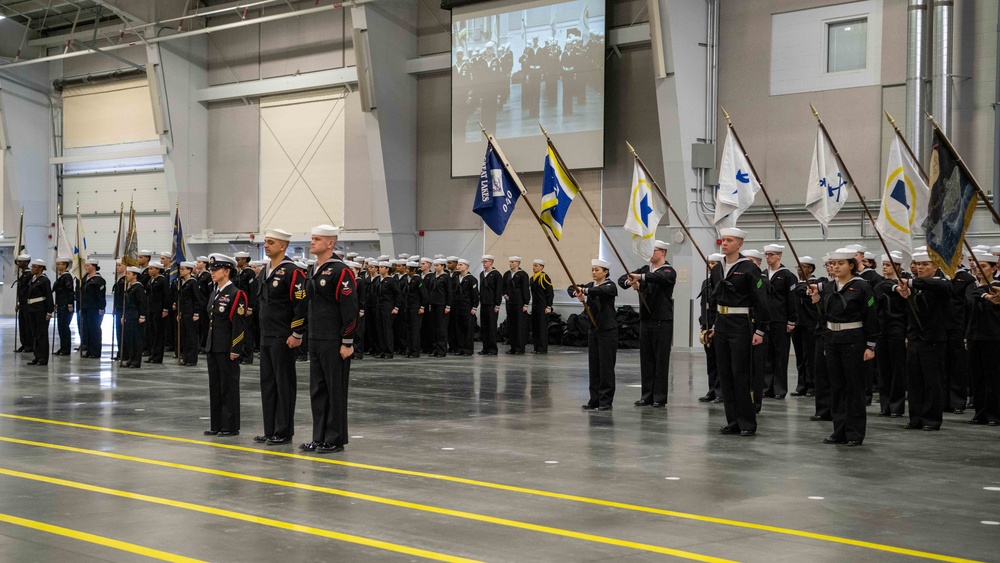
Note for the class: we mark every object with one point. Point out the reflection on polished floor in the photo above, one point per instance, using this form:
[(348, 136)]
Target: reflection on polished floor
[(488, 458)]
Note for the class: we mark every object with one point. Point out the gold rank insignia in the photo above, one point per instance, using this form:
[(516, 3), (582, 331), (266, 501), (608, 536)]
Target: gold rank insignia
[(240, 310)]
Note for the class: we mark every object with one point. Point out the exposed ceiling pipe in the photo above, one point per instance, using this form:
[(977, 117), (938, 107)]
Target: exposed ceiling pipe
[(941, 62), (61, 84), (996, 128), (203, 31), (916, 70)]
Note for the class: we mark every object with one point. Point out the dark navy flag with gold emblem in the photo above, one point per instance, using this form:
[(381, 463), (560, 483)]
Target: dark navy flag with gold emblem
[(497, 193), (952, 202)]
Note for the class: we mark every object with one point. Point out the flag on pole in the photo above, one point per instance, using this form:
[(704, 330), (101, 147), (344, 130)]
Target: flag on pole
[(950, 207), (80, 250), (497, 193), (178, 250), (19, 243), (558, 191), (63, 247), (904, 200), (585, 25), (130, 251), (737, 185), (644, 213), (120, 237), (827, 189)]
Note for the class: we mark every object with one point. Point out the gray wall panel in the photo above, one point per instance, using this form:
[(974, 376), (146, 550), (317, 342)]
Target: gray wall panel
[(358, 175), (301, 44), (234, 155), (238, 48)]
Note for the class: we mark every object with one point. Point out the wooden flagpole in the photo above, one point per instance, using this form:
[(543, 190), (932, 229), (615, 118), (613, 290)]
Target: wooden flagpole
[(524, 194), (591, 209), (667, 201), (177, 297)]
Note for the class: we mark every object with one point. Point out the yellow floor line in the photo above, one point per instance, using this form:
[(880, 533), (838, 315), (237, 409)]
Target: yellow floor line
[(240, 516), (523, 490), (95, 539), (382, 500)]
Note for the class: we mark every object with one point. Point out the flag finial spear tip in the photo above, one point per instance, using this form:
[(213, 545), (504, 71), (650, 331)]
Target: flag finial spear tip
[(813, 108), (544, 132), (630, 148), (726, 115)]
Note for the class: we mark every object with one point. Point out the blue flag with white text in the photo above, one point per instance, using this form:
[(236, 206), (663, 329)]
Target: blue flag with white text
[(180, 255), (497, 192)]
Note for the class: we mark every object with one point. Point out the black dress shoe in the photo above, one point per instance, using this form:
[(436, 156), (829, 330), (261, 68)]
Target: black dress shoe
[(779, 397), (817, 418), (588, 407), (604, 408), (883, 413), (706, 399), (729, 430), (33, 363), (808, 394), (718, 400), (958, 411), (911, 426), (641, 403), (278, 440), (795, 394), (930, 428), (325, 448), (659, 405), (832, 440), (211, 432), (114, 358), (19, 350), (746, 433), (853, 443), (895, 415), (261, 439), (309, 446), (481, 353), (511, 352), (227, 433)]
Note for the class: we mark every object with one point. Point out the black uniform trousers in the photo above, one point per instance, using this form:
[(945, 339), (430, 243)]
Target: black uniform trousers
[(224, 392), (655, 340), (540, 330), (778, 342), (414, 324), (246, 356), (924, 366), (278, 384), (984, 380), (439, 320), (117, 344), (155, 332), (427, 334), (400, 333), (758, 372), (804, 341), (39, 336), (488, 329), (202, 333), (466, 330), (132, 335), (63, 318), (955, 377), (360, 340), (170, 331), (189, 339), (602, 352), (517, 328), (844, 363), (385, 335), (372, 330), (328, 382), (453, 332), (24, 329), (93, 336), (822, 378), (712, 366), (891, 358), (733, 355)]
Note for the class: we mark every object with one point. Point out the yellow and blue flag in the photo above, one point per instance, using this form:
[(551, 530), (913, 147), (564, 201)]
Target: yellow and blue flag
[(949, 211), (904, 199), (558, 191)]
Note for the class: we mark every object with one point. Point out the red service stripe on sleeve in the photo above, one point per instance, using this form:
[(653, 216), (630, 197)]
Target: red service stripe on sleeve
[(291, 286), (349, 330)]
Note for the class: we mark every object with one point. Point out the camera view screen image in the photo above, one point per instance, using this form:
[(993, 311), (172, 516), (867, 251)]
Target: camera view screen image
[(518, 64)]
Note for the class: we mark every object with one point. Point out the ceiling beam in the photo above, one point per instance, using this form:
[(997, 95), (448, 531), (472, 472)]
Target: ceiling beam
[(126, 16)]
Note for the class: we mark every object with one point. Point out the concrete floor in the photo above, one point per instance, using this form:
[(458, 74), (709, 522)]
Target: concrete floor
[(537, 478)]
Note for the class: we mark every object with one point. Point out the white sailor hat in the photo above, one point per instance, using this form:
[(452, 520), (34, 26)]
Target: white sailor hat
[(986, 257), (857, 248), (352, 254), (869, 255), (488, 257), (64, 259), (351, 264), (23, 256), (39, 262), (301, 264), (661, 245), (338, 253), (412, 264), (166, 254), (426, 259), (807, 260), (452, 259), (463, 261), (733, 232), (601, 263), (93, 261), (156, 265), (513, 258), (278, 234), (538, 261), (413, 258), (384, 264), (189, 265), (921, 257), (134, 270), (144, 253), (774, 248), (202, 259), (241, 254), (220, 260), (922, 248), (891, 258), (981, 248), (995, 249), (256, 263), (438, 256), (826, 257), (371, 261), (753, 253), (325, 231), (383, 258), (845, 253), (716, 257), (439, 261), (311, 261), (403, 255)]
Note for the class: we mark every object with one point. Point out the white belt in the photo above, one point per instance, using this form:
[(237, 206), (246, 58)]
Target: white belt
[(34, 300), (837, 327), (734, 310)]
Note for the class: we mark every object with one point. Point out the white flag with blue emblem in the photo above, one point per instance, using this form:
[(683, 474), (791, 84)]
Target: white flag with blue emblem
[(828, 189), (904, 200), (644, 213), (737, 185)]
